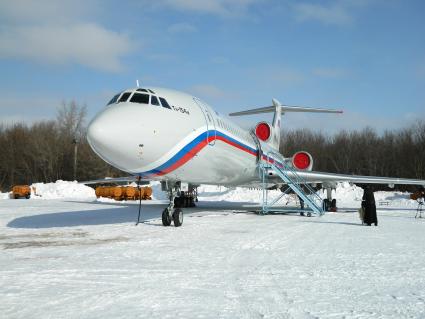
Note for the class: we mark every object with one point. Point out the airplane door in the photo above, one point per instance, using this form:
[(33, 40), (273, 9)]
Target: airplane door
[(209, 120)]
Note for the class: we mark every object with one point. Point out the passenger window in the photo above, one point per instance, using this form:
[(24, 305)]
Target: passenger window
[(124, 97), (114, 99), (164, 103), (154, 100), (140, 98)]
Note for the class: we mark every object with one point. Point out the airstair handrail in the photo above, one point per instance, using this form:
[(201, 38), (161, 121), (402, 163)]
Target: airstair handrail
[(291, 177)]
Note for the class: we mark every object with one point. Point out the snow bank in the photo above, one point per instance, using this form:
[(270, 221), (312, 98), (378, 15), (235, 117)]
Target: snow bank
[(346, 195), (157, 193), (62, 190), (398, 199), (4, 195), (235, 194)]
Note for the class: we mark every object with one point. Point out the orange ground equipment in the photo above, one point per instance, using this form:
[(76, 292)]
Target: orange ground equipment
[(124, 193), (417, 195), (21, 191)]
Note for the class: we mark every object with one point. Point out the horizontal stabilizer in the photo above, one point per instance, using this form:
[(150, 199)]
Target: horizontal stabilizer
[(285, 108)]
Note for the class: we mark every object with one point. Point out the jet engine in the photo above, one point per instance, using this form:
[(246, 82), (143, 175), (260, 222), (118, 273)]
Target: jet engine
[(302, 161), (263, 131)]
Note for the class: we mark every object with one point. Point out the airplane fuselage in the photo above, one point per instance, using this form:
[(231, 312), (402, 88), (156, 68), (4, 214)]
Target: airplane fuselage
[(162, 134)]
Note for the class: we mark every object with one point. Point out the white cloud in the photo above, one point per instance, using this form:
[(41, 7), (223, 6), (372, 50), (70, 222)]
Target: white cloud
[(334, 14), (182, 28), (54, 32), (86, 44), (223, 8), (30, 12), (27, 109)]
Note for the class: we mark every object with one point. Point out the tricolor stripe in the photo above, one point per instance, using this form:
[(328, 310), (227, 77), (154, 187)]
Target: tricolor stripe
[(194, 147)]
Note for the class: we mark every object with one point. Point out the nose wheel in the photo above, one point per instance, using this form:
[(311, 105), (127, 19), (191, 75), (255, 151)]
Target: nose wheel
[(166, 219), (176, 217)]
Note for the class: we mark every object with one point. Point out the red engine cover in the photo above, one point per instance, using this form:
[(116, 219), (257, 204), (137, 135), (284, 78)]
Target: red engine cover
[(301, 160), (263, 131)]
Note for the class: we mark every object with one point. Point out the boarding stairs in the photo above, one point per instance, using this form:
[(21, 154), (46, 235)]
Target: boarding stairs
[(295, 182)]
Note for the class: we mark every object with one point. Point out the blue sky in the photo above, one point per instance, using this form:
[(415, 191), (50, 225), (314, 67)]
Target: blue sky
[(364, 56)]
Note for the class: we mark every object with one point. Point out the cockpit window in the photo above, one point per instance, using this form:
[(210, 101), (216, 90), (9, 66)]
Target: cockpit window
[(154, 100), (142, 90), (140, 98), (114, 99), (151, 91), (124, 97), (164, 103)]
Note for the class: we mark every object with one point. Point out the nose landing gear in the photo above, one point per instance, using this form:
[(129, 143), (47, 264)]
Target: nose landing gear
[(172, 213), (180, 195)]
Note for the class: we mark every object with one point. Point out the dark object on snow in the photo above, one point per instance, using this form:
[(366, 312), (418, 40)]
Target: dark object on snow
[(369, 207)]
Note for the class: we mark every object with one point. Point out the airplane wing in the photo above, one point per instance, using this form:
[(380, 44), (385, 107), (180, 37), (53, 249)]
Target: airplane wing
[(323, 177), (128, 179)]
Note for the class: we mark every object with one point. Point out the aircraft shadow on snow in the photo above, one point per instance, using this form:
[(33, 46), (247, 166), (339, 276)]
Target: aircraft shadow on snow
[(121, 213), (118, 214)]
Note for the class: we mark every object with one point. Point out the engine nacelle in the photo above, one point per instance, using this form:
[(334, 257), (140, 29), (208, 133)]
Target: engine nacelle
[(263, 131), (302, 161)]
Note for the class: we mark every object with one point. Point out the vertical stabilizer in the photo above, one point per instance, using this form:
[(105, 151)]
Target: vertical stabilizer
[(277, 119)]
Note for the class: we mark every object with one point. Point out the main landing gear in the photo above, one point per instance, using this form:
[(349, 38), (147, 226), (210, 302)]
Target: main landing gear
[(329, 204)]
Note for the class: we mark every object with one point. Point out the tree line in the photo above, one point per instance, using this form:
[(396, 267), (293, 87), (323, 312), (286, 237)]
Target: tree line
[(44, 151), (394, 153)]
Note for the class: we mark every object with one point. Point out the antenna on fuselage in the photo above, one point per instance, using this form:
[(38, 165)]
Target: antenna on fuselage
[(137, 83)]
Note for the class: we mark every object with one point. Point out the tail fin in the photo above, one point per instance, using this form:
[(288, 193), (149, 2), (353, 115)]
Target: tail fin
[(279, 110), (275, 140)]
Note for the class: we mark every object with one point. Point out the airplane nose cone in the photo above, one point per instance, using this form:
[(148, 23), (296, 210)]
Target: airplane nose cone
[(106, 137), (96, 133)]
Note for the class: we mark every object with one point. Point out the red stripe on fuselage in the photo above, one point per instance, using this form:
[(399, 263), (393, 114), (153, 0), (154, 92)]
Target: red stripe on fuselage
[(190, 154), (221, 138)]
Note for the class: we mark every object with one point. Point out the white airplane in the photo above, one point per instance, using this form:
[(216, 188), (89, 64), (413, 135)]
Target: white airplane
[(176, 138)]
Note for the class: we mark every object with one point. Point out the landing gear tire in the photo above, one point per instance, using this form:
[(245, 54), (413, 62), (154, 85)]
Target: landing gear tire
[(326, 205), (333, 207), (302, 214), (178, 217), (166, 220), (308, 214)]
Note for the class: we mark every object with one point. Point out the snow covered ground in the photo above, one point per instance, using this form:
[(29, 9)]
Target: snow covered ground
[(78, 257)]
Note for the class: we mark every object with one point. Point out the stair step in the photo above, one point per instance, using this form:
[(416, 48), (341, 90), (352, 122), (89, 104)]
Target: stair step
[(297, 184)]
